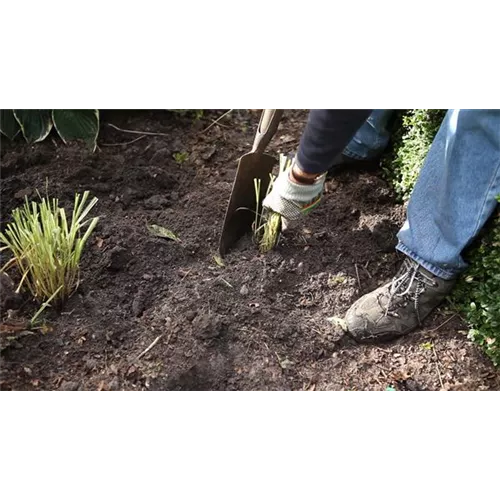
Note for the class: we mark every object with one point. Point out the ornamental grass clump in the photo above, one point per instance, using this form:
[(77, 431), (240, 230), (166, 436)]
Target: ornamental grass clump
[(267, 224), (47, 248)]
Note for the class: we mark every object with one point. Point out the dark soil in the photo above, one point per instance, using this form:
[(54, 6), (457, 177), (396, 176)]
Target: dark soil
[(259, 322)]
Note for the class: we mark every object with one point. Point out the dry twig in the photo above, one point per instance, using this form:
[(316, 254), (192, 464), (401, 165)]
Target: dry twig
[(155, 341), (442, 324), (437, 367), (215, 122), (125, 143), (357, 276), (137, 132)]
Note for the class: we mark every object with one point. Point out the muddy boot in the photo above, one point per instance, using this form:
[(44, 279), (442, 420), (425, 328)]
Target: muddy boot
[(397, 308)]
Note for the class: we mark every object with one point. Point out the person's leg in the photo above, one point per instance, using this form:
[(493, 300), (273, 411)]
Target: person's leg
[(453, 198), (372, 138), (455, 193)]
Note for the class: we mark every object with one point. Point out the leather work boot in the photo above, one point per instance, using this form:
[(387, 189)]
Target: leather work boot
[(397, 308), (345, 163)]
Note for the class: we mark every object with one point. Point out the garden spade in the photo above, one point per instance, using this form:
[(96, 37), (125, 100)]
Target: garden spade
[(242, 205)]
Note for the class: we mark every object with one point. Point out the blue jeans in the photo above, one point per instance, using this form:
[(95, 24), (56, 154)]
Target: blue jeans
[(372, 138), (456, 190)]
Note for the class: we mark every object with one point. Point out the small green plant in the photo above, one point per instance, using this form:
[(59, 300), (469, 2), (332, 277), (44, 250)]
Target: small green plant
[(267, 224), (46, 248), (181, 157), (36, 124), (198, 114)]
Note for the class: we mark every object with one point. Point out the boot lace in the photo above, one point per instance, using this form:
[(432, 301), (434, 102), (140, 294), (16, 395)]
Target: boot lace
[(406, 286)]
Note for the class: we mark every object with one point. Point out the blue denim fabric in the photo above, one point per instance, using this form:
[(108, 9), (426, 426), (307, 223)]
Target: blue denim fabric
[(455, 193), (372, 138)]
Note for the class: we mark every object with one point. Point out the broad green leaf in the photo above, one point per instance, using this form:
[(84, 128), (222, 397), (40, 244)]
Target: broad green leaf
[(35, 124), (74, 124), (8, 123)]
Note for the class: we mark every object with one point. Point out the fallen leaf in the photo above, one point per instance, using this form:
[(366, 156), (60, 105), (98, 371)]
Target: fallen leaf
[(19, 326), (336, 280), (286, 363), (218, 260), (336, 321), (102, 386), (162, 232), (287, 138), (23, 193), (46, 328)]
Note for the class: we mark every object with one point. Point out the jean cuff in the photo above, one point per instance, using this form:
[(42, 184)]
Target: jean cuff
[(445, 274), (354, 156)]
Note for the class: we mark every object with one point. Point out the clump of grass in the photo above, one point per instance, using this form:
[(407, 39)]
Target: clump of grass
[(46, 248), (271, 233), (267, 226)]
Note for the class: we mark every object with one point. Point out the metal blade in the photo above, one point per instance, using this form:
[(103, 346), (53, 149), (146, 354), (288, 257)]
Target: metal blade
[(240, 212)]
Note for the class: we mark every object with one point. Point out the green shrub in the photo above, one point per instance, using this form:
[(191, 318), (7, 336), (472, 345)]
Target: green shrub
[(35, 124), (477, 295), (415, 131)]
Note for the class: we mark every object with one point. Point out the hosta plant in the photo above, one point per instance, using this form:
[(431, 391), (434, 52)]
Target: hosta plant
[(36, 124)]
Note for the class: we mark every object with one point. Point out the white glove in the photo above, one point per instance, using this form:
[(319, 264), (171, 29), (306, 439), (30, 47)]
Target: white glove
[(292, 199)]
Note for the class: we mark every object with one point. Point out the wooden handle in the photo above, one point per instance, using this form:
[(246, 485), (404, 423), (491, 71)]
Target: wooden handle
[(268, 126)]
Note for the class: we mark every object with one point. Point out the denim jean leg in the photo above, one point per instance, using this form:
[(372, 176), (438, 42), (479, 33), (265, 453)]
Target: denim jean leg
[(372, 138), (455, 193)]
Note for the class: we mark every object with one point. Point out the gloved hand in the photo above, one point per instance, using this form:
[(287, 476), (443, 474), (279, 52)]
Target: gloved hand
[(295, 195)]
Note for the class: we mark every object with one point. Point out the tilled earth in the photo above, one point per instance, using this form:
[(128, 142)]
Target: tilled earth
[(155, 314)]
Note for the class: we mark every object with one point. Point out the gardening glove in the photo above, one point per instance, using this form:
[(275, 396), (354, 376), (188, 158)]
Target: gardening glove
[(295, 193)]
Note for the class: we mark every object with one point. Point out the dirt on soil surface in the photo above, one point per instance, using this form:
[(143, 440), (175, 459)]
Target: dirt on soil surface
[(156, 314)]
